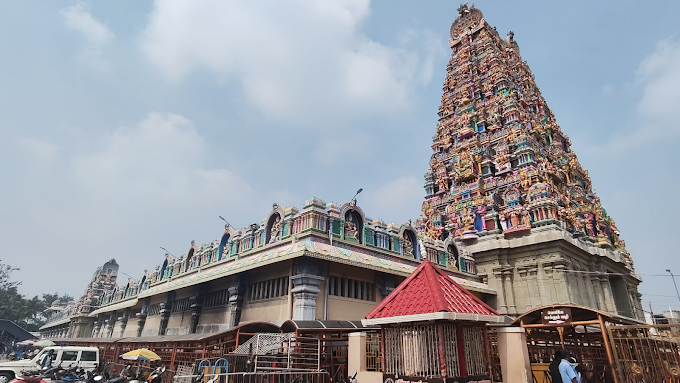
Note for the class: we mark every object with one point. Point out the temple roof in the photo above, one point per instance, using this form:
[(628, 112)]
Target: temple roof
[(426, 291)]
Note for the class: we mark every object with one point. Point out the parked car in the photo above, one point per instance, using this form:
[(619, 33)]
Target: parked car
[(68, 356)]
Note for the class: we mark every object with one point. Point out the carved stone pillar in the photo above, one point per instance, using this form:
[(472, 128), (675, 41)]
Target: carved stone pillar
[(110, 324), (608, 296), (306, 280), (196, 304), (635, 303), (535, 296), (166, 309), (523, 284), (123, 321), (599, 294), (561, 285), (141, 316), (507, 274), (496, 283), (97, 328), (236, 297)]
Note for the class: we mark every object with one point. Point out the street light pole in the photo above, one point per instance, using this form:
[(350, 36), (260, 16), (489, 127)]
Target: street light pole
[(354, 199), (225, 221), (674, 284), (130, 276), (166, 250)]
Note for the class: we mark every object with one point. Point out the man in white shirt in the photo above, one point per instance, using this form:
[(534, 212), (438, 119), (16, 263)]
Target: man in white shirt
[(568, 372)]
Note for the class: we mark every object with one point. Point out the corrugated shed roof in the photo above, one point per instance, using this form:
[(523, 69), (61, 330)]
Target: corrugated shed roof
[(428, 290), (18, 332)]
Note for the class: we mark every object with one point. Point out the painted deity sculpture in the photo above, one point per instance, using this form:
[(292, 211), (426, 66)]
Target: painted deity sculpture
[(495, 128), (408, 245), (276, 228), (351, 227)]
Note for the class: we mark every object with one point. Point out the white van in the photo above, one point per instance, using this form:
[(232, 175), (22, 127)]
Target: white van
[(69, 356)]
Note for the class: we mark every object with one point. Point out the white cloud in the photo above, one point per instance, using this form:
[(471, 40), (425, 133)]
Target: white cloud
[(658, 77), (660, 74), (607, 88), (345, 149), (79, 18), (397, 200), (41, 153), (158, 162), (304, 63)]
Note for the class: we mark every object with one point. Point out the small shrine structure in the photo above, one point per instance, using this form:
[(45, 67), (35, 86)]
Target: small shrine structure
[(433, 329)]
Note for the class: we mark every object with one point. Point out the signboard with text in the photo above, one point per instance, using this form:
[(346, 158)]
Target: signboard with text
[(556, 316)]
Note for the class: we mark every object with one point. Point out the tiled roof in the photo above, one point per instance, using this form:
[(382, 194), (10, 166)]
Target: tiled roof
[(428, 290)]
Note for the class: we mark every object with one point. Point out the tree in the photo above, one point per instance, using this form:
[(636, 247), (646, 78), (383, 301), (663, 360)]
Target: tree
[(12, 305), (28, 313)]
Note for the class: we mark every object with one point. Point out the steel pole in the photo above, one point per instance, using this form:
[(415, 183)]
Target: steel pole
[(674, 284)]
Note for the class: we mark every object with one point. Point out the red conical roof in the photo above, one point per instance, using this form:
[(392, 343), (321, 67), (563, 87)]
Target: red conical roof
[(428, 290)]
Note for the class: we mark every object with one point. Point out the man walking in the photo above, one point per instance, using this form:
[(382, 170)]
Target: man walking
[(567, 372)]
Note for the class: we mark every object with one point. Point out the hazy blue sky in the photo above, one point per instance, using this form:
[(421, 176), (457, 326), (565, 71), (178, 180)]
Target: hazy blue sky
[(129, 125)]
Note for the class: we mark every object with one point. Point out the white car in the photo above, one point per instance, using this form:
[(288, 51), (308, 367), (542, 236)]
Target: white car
[(69, 356)]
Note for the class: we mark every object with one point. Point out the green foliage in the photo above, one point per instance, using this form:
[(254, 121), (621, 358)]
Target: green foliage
[(27, 312)]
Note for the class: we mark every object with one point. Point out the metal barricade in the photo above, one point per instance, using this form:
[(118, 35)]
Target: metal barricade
[(263, 377), (646, 353)]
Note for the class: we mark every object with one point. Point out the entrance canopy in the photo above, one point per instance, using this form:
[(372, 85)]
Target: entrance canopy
[(580, 315)]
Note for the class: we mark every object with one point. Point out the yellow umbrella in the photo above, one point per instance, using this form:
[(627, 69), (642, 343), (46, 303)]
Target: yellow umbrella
[(141, 354)]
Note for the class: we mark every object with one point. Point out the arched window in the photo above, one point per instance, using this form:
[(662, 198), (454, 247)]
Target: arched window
[(273, 229), (452, 254), (223, 245), (353, 226), (410, 244)]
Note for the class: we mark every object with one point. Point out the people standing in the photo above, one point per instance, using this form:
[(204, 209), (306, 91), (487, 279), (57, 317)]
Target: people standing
[(567, 371), (48, 359), (554, 368)]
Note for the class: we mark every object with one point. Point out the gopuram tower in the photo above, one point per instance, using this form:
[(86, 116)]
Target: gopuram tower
[(505, 188)]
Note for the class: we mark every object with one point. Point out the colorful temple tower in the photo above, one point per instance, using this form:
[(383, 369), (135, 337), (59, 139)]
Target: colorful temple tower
[(505, 187)]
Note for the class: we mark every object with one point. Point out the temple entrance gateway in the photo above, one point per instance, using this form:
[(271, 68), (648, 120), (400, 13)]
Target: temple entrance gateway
[(582, 330)]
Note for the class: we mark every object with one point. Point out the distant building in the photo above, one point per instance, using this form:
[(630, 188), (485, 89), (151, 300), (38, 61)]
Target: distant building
[(70, 319)]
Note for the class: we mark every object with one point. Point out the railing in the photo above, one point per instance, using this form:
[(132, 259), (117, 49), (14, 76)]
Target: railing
[(373, 356), (262, 377), (646, 353), (495, 360)]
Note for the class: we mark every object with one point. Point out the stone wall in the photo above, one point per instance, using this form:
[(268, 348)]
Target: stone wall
[(548, 266)]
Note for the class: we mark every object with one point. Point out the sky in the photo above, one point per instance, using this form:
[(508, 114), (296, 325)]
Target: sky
[(130, 125)]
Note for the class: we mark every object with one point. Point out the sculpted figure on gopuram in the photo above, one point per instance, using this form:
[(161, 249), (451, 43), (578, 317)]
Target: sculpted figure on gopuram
[(501, 163)]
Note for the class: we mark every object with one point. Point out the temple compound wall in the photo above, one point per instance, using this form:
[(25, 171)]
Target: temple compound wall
[(326, 261)]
